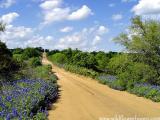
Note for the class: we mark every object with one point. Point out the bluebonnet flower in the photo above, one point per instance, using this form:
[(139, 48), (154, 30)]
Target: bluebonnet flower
[(19, 101)]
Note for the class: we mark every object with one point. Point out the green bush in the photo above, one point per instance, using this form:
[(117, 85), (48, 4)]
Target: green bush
[(58, 58), (35, 61), (80, 70), (18, 57), (102, 61), (119, 63), (30, 52), (84, 59)]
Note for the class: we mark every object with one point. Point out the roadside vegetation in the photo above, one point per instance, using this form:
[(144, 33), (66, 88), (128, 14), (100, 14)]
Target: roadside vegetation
[(27, 88), (136, 70)]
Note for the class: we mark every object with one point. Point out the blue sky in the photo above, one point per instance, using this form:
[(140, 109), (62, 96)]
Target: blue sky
[(58, 24)]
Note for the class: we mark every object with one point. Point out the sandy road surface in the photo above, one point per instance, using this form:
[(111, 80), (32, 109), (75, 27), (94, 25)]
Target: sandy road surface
[(85, 99)]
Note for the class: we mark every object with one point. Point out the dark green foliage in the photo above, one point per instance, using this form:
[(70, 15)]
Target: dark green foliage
[(59, 58), (86, 60), (17, 51), (35, 61), (102, 61), (7, 64), (119, 63), (31, 52), (52, 52), (143, 42), (18, 57), (80, 70), (95, 60)]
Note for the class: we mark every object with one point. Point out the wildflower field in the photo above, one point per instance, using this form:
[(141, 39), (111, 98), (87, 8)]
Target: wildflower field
[(26, 99)]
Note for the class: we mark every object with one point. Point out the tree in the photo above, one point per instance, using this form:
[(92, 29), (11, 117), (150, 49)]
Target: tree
[(84, 59), (143, 41), (119, 64), (102, 60), (7, 64), (31, 52)]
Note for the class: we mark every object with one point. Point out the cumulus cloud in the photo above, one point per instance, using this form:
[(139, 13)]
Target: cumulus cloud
[(8, 18), (22, 36), (86, 39), (117, 17), (96, 40), (53, 10), (50, 4), (37, 41), (102, 30), (145, 7), (56, 14), (66, 29), (81, 13), (6, 3), (16, 36)]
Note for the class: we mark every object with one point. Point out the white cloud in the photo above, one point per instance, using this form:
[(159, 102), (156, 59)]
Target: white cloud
[(22, 36), (81, 13), (25, 37), (147, 7), (56, 14), (16, 36), (50, 4), (86, 39), (41, 41), (102, 30), (6, 3), (117, 17), (53, 10), (96, 40), (66, 29), (8, 18)]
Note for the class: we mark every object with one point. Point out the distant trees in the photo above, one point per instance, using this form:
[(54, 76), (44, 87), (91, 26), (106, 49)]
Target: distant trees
[(97, 61), (31, 52)]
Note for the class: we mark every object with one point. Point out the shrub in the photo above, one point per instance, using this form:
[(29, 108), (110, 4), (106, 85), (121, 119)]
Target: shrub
[(58, 58), (30, 52), (18, 57), (80, 70), (137, 73), (119, 63), (35, 61)]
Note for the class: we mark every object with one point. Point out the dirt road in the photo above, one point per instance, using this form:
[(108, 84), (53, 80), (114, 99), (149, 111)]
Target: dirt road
[(84, 99)]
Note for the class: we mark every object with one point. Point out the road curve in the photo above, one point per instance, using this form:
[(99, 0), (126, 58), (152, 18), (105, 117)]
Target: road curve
[(82, 98)]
